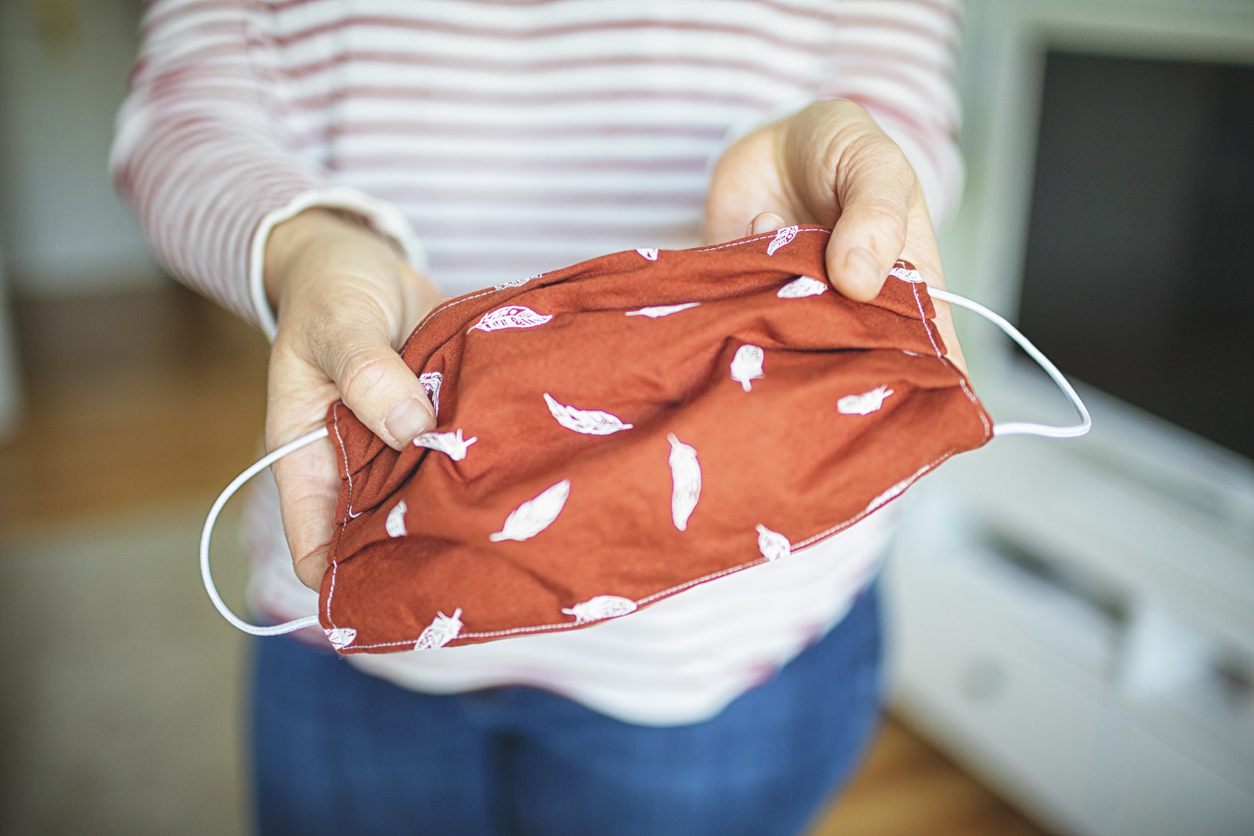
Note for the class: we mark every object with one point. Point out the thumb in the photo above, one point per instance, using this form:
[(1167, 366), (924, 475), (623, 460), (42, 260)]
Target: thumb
[(383, 393), (875, 194)]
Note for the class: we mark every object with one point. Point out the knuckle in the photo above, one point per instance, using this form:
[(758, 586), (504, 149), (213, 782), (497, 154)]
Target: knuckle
[(362, 373)]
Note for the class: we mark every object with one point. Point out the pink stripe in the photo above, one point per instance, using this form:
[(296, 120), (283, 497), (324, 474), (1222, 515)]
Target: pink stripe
[(539, 32), (366, 163), (361, 93), (451, 129), (605, 198), (487, 63)]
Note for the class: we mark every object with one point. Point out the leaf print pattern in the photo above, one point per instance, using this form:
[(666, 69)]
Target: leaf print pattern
[(746, 366), (451, 443), (586, 421), (685, 481), (534, 515), (649, 254), (863, 404), (782, 237), (772, 544), (431, 385), (906, 274), (662, 310), (341, 637), (602, 606), (510, 316), (801, 287), (442, 630), (395, 523)]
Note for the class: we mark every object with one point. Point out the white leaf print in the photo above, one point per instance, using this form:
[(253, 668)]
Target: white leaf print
[(801, 287), (442, 630), (534, 515), (511, 316), (685, 481), (395, 523), (602, 606), (650, 254), (662, 310), (747, 365), (906, 275), (431, 385), (782, 237), (341, 637), (772, 544), (586, 421), (512, 283), (451, 443), (863, 404)]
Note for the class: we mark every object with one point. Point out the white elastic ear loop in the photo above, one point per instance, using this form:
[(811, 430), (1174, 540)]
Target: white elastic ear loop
[(1023, 427), (207, 576)]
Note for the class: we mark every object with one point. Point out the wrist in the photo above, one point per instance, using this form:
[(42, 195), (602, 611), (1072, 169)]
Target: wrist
[(317, 227)]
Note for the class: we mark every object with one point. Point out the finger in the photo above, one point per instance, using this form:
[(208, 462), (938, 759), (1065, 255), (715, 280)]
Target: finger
[(382, 391), (875, 188), (763, 223), (309, 486)]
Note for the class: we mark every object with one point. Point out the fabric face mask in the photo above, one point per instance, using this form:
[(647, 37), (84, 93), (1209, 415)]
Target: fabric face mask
[(627, 428)]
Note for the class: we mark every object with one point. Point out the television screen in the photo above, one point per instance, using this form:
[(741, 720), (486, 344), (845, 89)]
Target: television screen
[(1139, 270)]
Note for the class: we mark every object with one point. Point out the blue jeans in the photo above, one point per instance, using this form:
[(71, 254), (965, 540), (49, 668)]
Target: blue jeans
[(336, 751)]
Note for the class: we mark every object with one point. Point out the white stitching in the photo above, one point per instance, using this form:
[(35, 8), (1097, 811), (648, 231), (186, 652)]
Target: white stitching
[(335, 419), (962, 380), (454, 303), (744, 241)]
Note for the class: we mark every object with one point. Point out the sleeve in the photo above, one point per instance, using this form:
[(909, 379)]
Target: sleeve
[(207, 160), (898, 60)]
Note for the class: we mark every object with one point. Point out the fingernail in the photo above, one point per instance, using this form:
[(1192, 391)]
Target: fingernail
[(765, 222), (407, 420), (863, 264)]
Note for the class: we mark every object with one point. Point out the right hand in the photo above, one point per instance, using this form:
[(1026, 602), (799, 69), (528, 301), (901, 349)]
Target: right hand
[(345, 299)]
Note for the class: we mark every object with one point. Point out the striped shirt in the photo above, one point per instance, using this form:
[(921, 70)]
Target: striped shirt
[(498, 139)]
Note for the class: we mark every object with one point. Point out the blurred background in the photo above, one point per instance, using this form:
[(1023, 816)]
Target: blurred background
[(1072, 622)]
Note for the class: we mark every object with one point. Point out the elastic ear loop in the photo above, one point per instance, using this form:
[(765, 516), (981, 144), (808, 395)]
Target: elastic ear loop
[(1024, 427), (207, 576)]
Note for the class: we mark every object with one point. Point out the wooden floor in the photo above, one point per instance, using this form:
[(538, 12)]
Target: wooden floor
[(137, 399)]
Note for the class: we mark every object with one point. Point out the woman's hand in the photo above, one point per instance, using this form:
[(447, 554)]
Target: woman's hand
[(345, 299), (830, 164)]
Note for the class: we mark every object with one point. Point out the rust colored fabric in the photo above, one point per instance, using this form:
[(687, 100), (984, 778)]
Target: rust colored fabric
[(630, 427)]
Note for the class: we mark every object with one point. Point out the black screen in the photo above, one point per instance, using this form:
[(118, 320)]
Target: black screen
[(1139, 271)]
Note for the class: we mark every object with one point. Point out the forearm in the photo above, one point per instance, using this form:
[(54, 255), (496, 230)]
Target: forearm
[(205, 158)]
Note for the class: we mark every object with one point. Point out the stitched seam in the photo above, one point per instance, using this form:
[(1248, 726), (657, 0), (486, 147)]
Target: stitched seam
[(335, 420), (335, 565), (440, 310), (865, 512), (744, 241), (962, 380)]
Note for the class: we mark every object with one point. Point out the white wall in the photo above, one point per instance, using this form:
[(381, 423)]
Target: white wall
[(63, 73)]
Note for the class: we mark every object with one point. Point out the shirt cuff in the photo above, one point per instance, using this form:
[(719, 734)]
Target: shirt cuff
[(382, 216)]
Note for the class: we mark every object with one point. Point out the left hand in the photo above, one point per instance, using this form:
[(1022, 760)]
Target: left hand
[(830, 164)]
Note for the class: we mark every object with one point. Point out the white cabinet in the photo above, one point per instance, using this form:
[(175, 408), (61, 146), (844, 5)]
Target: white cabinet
[(1086, 692)]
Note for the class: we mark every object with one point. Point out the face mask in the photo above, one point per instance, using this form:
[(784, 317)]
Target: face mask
[(625, 429)]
